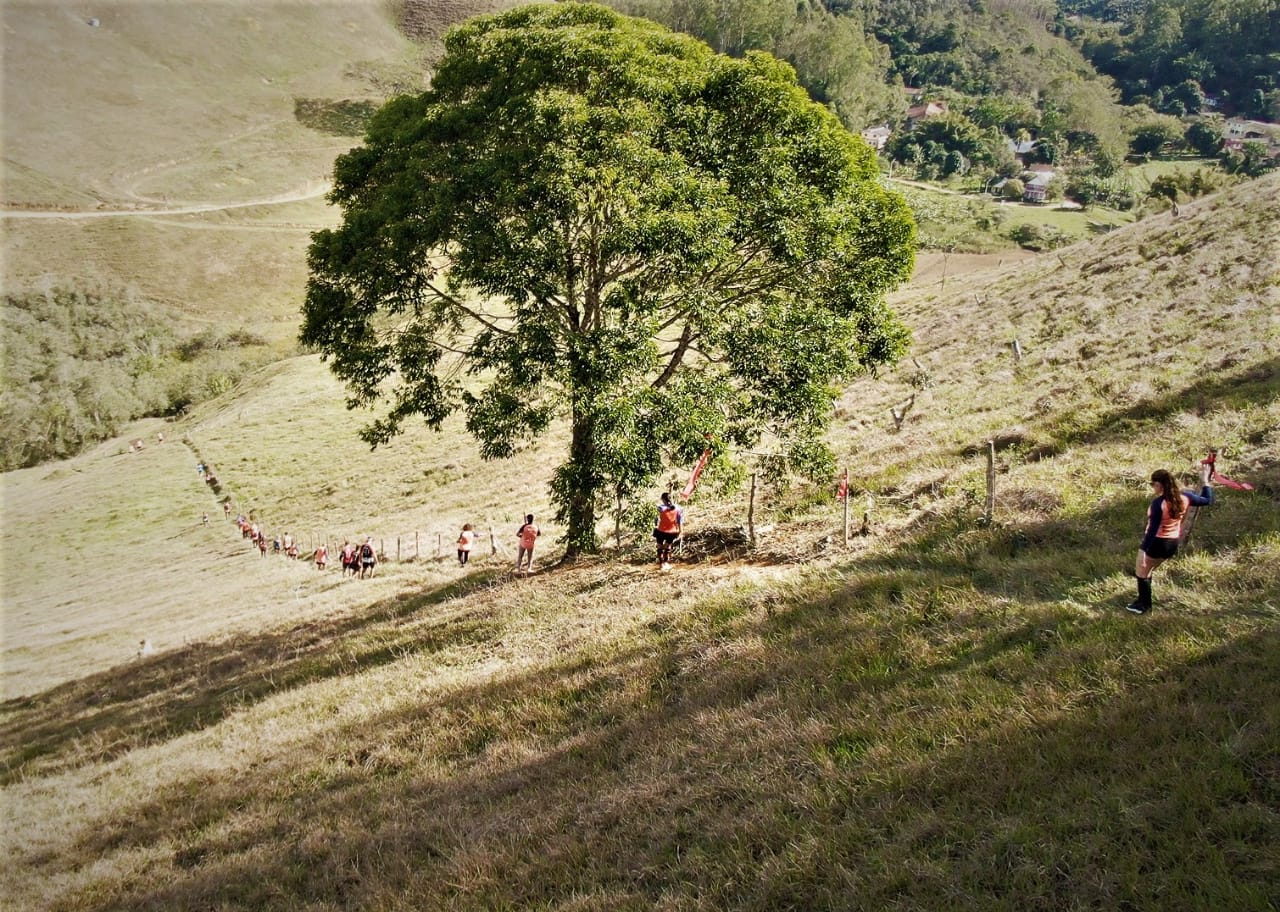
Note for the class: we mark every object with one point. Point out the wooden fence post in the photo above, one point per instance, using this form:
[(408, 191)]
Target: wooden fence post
[(397, 549), (493, 543), (846, 507), (751, 512), (439, 545), (900, 415), (991, 481), (416, 553)]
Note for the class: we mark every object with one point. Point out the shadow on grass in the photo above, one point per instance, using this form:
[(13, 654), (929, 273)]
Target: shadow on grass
[(893, 738), (769, 782), (110, 713)]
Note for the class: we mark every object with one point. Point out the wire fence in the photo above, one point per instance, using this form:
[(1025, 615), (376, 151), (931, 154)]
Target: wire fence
[(400, 548)]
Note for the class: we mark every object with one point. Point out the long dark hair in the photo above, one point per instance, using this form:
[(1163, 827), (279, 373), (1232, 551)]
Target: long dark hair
[(1171, 491)]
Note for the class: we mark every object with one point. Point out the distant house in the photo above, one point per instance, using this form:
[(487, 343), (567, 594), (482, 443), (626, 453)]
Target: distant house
[(1237, 132), (1037, 188), (919, 112), (913, 95), (1019, 149), (877, 137)]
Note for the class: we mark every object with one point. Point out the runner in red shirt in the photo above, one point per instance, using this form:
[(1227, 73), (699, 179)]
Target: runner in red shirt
[(669, 528), (1164, 528)]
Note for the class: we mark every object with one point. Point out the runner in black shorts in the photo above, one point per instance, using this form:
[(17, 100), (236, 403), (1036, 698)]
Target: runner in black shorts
[(669, 528), (1164, 528)]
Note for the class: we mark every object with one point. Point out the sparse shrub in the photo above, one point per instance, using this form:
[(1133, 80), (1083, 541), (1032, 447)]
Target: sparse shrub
[(338, 117), (1037, 237), (213, 339), (1125, 200)]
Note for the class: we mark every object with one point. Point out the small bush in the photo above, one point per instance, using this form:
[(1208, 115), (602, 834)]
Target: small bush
[(338, 117), (1038, 238), (1013, 189)]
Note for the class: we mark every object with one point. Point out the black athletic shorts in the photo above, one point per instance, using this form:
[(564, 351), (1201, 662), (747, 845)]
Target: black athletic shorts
[(1162, 548), (665, 538)]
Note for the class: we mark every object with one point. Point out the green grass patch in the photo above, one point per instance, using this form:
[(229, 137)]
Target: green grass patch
[(337, 117)]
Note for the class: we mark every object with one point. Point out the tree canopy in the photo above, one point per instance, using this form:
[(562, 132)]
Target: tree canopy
[(590, 217)]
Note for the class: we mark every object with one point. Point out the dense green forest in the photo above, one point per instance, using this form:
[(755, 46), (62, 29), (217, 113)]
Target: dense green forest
[(1091, 81), (78, 365), (1171, 54)]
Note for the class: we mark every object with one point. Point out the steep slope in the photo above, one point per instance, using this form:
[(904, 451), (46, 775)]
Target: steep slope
[(1171, 319), (947, 715), (181, 102)]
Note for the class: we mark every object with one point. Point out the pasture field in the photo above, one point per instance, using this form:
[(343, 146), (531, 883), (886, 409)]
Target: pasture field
[(153, 111), (1142, 175), (1074, 223), (172, 106), (944, 714)]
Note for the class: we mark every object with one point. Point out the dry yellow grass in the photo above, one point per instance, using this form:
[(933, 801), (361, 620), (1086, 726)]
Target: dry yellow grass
[(946, 715), (179, 102), (172, 105)]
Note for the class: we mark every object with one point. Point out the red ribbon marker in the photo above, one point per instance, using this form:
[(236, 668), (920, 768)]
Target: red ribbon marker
[(687, 491), (1223, 480)]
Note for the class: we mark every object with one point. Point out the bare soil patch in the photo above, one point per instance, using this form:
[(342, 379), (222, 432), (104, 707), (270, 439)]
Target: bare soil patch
[(933, 267)]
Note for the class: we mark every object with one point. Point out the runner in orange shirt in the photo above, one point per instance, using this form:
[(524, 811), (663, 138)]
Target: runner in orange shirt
[(669, 528)]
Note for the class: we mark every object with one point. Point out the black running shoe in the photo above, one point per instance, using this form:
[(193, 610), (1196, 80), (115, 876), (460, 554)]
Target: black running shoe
[(1136, 608)]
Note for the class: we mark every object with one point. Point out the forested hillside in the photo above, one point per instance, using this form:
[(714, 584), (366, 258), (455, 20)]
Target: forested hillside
[(996, 62), (1173, 53), (1000, 85), (856, 54), (78, 365)]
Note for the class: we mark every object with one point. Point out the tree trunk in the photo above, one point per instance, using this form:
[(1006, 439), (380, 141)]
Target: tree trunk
[(579, 481)]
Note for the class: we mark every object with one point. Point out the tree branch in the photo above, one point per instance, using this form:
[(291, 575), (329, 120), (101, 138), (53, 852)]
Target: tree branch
[(483, 319), (677, 356)]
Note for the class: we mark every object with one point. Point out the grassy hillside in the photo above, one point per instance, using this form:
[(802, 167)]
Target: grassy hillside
[(945, 715), (188, 106), (154, 110)]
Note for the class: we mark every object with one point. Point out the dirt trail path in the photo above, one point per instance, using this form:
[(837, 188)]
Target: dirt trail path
[(309, 193)]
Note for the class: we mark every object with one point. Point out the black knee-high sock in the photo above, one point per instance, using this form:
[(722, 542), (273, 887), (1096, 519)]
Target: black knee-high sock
[(1144, 591)]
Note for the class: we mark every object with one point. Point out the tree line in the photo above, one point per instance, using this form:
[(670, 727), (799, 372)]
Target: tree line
[(1092, 82), (1180, 55)]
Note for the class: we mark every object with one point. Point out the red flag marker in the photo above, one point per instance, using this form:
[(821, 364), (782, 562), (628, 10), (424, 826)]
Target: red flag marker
[(687, 491), (1223, 480)]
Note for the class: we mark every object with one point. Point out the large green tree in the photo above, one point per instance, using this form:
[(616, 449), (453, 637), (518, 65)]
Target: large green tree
[(590, 217)]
